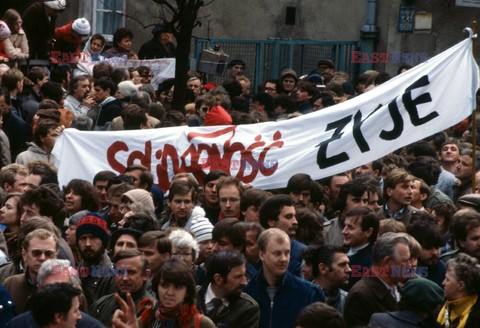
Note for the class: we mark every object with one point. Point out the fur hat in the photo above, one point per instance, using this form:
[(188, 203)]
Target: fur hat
[(4, 31), (58, 5), (81, 26), (141, 199), (94, 225)]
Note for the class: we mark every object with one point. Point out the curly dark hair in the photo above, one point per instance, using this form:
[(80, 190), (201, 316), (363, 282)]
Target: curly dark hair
[(85, 190)]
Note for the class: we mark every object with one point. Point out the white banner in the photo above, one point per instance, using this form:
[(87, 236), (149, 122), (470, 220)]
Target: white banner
[(418, 103), (162, 69), (468, 3)]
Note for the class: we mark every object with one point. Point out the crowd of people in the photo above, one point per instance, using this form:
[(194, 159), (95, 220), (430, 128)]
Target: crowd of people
[(392, 243)]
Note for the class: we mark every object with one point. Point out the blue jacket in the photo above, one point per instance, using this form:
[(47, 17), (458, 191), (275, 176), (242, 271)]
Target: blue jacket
[(26, 320), (292, 295), (360, 261), (295, 265)]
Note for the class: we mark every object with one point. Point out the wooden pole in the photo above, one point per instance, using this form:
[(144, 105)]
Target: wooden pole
[(474, 119)]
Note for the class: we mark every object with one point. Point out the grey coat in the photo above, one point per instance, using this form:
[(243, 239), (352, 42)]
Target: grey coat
[(396, 319)]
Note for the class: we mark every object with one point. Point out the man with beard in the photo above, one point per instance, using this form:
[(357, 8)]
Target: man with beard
[(131, 275), (222, 299), (96, 269), (330, 269), (430, 238)]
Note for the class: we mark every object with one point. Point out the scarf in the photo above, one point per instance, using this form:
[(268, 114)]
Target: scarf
[(182, 314), (457, 309)]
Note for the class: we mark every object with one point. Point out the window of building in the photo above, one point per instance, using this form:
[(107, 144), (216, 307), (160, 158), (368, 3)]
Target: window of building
[(108, 17)]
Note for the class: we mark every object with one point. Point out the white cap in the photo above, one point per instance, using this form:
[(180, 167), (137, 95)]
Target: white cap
[(81, 26), (58, 5), (4, 31)]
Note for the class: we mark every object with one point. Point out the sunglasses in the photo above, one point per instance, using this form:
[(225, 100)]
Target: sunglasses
[(48, 252)]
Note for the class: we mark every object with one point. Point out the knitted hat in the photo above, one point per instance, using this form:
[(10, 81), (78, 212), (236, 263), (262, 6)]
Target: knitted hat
[(124, 231), (81, 26), (75, 218), (4, 31), (202, 229), (140, 198), (315, 77), (423, 292), (94, 225), (127, 88), (289, 71), (58, 5)]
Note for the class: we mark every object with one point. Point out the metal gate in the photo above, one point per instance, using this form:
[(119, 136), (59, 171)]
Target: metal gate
[(265, 59)]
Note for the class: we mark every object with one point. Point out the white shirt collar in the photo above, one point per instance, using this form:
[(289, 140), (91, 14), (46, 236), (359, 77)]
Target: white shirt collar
[(210, 295)]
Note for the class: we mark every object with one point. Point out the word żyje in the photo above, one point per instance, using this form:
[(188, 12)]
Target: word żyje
[(339, 125)]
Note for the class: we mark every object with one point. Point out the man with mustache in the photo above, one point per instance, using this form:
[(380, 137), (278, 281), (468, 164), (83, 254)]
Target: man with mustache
[(96, 269), (429, 236), (222, 299), (131, 274)]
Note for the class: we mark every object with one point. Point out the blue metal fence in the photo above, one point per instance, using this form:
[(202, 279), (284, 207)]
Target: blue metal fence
[(266, 59)]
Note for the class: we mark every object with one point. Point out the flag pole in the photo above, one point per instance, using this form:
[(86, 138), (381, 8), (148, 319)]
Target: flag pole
[(474, 119)]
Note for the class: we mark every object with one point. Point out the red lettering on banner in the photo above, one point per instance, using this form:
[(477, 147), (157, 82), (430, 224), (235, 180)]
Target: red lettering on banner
[(189, 161)]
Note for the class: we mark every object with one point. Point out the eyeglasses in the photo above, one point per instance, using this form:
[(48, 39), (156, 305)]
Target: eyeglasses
[(48, 252)]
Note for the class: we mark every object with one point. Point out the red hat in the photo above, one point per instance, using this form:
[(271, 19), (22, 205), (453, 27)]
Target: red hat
[(210, 85), (93, 225)]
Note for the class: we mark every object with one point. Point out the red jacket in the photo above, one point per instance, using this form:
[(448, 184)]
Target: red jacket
[(66, 41), (217, 116)]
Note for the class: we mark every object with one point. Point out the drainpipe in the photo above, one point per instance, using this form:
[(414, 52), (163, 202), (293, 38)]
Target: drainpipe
[(368, 34)]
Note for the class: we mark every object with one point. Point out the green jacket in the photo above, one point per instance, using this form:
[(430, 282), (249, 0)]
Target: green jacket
[(241, 313), (105, 307)]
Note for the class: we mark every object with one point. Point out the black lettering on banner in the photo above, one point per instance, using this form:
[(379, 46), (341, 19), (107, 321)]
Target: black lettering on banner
[(322, 160), (357, 132), (397, 122), (411, 104)]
